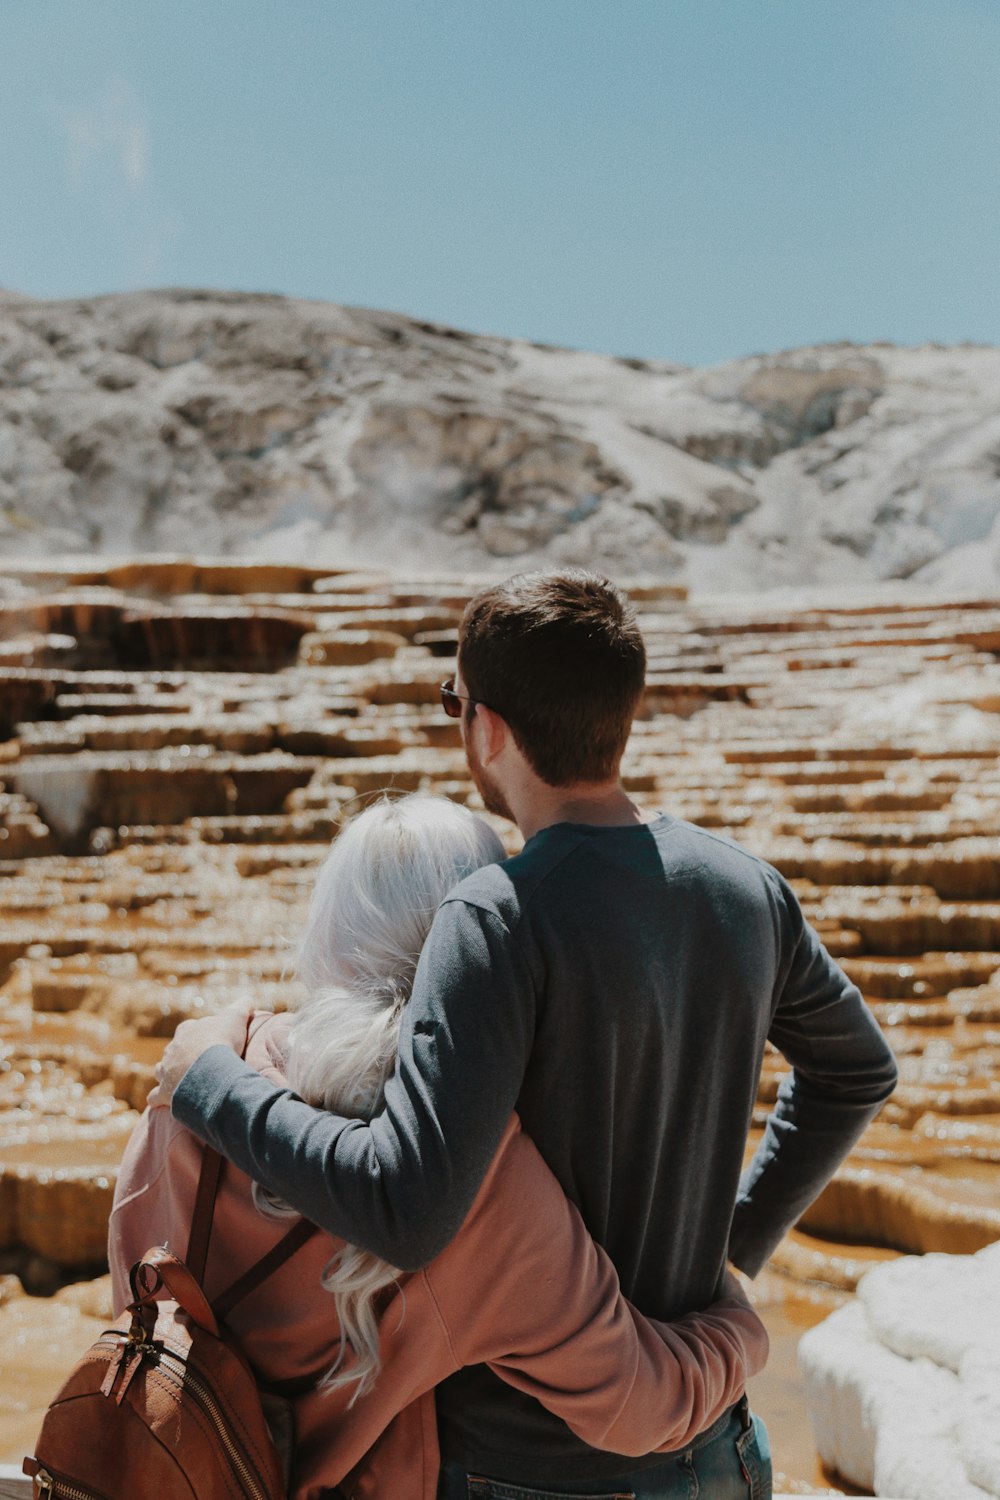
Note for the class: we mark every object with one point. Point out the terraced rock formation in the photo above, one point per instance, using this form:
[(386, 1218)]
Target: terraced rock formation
[(179, 741)]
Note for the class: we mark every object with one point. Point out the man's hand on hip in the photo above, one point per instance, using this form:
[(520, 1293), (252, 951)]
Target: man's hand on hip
[(190, 1040)]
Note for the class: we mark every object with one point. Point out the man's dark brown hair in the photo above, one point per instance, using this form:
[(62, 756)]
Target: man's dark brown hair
[(560, 657)]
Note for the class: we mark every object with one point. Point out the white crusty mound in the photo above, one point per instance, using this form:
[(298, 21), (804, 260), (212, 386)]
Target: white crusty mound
[(903, 1384), (254, 425)]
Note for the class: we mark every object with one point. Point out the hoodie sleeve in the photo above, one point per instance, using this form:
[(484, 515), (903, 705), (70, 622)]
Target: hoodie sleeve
[(525, 1289)]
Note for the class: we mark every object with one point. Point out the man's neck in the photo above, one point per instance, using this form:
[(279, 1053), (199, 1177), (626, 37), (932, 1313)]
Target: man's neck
[(600, 804)]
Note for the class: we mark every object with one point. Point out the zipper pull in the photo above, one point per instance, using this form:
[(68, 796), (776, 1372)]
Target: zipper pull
[(42, 1484), (113, 1370), (132, 1362), (123, 1365)]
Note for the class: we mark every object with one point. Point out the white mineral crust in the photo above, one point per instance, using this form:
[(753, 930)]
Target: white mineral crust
[(903, 1385)]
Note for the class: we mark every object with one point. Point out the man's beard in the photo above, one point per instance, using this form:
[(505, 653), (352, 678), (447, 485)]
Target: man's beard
[(493, 799)]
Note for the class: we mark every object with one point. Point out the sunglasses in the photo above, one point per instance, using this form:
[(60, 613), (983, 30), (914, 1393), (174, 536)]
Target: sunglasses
[(451, 701)]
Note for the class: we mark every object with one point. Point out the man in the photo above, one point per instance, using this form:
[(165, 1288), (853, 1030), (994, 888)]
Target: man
[(616, 982)]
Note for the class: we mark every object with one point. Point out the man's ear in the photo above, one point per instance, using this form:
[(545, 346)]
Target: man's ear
[(494, 731)]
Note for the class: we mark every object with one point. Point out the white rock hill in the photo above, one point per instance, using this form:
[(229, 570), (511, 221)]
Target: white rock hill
[(251, 425)]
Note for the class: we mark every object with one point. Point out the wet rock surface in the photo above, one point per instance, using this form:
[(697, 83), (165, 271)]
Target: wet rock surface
[(161, 823)]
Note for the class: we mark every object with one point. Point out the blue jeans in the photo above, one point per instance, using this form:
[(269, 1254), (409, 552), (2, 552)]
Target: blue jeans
[(730, 1461)]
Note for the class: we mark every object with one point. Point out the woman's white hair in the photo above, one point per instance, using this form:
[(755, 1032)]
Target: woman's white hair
[(387, 873)]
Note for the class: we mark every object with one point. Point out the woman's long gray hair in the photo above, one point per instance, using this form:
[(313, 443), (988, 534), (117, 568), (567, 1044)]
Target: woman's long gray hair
[(372, 907)]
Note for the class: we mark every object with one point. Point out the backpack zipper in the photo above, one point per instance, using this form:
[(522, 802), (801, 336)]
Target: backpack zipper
[(47, 1487), (239, 1460), (178, 1370)]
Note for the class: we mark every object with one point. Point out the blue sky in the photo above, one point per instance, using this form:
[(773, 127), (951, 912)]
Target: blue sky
[(684, 179)]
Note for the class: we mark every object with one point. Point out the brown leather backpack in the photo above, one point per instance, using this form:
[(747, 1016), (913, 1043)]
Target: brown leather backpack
[(165, 1403)]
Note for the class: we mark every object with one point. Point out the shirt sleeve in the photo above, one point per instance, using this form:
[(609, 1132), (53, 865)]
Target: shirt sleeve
[(400, 1184), (842, 1072)]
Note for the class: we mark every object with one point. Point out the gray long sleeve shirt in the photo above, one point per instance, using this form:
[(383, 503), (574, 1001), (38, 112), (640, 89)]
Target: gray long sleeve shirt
[(617, 986)]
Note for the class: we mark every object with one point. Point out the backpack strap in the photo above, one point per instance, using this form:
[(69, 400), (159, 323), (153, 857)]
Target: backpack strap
[(263, 1268), (182, 1286), (186, 1290), (204, 1204), (184, 1278), (203, 1213)]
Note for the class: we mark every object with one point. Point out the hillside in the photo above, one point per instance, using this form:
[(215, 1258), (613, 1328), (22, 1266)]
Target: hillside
[(259, 426)]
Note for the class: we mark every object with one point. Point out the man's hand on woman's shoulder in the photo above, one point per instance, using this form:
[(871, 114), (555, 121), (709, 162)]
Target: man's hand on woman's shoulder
[(190, 1040)]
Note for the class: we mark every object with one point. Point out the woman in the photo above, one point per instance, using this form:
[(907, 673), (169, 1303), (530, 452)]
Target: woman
[(522, 1287)]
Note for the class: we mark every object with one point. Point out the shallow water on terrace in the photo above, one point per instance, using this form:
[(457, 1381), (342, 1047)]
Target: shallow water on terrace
[(80, 1030), (41, 1336), (60, 1156), (777, 1394), (975, 1175)]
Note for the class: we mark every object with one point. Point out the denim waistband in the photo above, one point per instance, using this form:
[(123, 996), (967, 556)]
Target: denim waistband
[(741, 1409)]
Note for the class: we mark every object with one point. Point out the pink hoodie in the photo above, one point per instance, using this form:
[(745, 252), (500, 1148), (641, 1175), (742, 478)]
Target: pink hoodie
[(522, 1288)]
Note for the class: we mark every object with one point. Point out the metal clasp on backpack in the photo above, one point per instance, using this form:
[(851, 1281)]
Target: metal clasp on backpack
[(139, 1342)]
